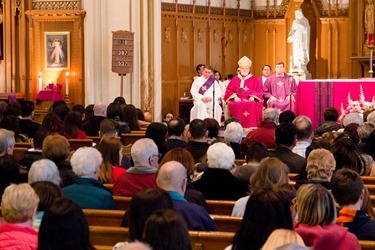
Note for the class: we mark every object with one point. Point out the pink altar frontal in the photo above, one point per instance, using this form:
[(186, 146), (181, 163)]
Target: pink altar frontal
[(50, 93), (314, 96)]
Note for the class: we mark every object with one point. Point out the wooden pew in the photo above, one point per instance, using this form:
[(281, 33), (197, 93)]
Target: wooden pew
[(104, 238), (109, 186), (131, 138), (113, 218), (18, 153), (122, 202), (109, 236), (214, 206), (77, 143), (22, 145), (220, 207), (367, 180), (95, 139)]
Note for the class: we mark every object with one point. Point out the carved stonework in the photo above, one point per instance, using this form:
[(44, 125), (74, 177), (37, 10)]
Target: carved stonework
[(56, 5), (184, 35), (200, 39), (244, 36), (216, 36), (167, 35), (325, 12)]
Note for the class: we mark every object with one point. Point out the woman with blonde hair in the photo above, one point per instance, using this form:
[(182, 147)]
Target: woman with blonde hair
[(271, 172), (111, 150), (18, 206), (319, 168), (316, 220), (282, 237)]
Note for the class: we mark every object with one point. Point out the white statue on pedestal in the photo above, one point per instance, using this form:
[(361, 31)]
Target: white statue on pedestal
[(299, 35)]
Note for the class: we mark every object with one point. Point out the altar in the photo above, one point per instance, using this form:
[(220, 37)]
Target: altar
[(314, 96)]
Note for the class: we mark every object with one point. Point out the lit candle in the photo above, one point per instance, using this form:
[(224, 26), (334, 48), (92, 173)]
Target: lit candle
[(67, 83), (290, 63), (40, 81), (370, 40)]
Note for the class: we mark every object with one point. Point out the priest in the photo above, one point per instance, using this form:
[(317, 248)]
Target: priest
[(244, 96)]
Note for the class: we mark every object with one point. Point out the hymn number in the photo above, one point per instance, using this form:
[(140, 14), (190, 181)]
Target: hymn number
[(122, 63), (123, 52), (123, 41)]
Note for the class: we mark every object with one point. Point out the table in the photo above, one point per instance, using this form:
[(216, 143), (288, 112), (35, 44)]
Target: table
[(314, 96), (50, 95)]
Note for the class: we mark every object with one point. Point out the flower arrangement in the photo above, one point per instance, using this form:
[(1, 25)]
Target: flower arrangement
[(358, 106)]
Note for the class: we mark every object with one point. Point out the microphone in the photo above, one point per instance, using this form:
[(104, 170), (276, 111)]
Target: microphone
[(217, 62)]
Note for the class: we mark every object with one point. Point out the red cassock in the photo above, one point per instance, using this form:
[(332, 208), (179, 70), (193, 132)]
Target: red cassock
[(247, 111)]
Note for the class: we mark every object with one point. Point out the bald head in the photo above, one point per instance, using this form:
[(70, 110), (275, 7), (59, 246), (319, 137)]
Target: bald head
[(172, 176)]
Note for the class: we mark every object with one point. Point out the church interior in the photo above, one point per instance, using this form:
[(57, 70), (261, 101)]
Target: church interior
[(170, 39)]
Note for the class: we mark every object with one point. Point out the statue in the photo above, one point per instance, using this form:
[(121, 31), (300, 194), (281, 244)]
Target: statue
[(300, 37)]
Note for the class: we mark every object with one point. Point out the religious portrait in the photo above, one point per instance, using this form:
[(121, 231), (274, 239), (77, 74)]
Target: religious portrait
[(57, 55)]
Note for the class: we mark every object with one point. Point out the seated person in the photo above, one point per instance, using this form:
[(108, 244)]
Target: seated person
[(172, 178), (316, 220), (330, 124), (348, 190), (35, 153), (145, 155), (26, 123), (44, 170), (202, 91), (18, 207), (265, 132), (220, 158), (244, 96), (86, 190), (280, 89)]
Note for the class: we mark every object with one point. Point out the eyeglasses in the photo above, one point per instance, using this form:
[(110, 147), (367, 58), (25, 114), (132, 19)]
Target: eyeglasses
[(158, 155)]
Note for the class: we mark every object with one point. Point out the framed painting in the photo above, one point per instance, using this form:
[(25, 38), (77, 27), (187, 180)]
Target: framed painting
[(57, 47)]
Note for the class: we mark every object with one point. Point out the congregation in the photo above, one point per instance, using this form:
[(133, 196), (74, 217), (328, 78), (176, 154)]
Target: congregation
[(175, 168)]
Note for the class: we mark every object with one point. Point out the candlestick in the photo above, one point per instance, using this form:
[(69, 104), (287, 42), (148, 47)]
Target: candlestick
[(40, 81), (67, 83), (370, 40)]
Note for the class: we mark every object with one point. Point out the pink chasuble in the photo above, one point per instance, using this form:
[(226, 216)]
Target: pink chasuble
[(280, 88), (248, 112)]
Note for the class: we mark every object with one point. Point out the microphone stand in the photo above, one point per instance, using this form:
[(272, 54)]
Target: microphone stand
[(213, 98)]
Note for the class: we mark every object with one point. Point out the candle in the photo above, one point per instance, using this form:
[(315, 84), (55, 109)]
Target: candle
[(67, 83), (299, 66), (370, 40), (40, 81), (290, 64)]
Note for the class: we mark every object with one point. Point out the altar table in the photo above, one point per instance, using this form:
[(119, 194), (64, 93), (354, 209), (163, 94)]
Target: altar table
[(50, 95), (314, 96)]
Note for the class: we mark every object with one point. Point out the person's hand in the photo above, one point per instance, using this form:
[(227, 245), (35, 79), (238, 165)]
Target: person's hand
[(237, 99), (206, 99), (272, 99), (251, 98)]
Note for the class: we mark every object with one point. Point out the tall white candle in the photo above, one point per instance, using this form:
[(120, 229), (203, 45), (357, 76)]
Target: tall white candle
[(67, 83), (40, 81)]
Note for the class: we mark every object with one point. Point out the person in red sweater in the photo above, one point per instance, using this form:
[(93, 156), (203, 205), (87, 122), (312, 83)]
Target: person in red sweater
[(145, 155), (316, 220), (18, 205), (265, 132)]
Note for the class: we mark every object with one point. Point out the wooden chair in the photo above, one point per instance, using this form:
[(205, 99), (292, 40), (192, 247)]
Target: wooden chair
[(227, 223), (18, 153), (77, 143), (131, 138), (22, 145)]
